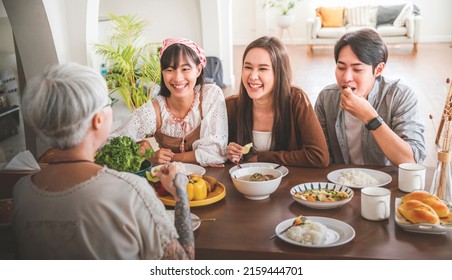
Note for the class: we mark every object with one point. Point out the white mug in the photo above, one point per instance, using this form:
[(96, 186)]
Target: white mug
[(375, 203), (411, 177)]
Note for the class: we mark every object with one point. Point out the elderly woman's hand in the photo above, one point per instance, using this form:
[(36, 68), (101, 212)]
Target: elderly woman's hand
[(167, 174)]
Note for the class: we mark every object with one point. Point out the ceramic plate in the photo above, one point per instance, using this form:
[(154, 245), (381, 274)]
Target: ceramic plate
[(196, 222), (218, 194), (382, 178), (421, 227), (189, 169), (317, 186), (283, 169), (338, 232)]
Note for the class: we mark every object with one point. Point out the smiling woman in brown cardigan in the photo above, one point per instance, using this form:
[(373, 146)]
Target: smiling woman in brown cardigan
[(271, 113)]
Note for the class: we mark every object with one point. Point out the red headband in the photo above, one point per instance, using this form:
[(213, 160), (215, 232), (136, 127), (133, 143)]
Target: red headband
[(189, 43)]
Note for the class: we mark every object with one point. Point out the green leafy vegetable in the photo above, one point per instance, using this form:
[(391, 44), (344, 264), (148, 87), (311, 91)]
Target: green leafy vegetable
[(122, 153)]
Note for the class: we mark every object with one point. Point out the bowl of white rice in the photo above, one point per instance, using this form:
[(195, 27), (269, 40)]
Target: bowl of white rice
[(356, 177), (316, 232), (359, 177), (308, 233)]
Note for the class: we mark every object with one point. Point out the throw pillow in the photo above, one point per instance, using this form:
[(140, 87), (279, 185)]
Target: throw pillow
[(358, 16), (404, 14), (331, 17), (387, 14)]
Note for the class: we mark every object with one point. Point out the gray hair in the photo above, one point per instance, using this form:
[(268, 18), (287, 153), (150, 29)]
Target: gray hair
[(60, 103)]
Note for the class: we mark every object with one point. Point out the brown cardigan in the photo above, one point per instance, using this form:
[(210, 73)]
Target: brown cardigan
[(307, 144)]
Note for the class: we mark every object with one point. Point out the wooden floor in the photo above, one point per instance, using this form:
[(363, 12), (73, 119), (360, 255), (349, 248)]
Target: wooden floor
[(425, 71)]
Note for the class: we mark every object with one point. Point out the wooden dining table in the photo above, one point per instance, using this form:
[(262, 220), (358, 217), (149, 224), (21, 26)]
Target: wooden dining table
[(243, 227)]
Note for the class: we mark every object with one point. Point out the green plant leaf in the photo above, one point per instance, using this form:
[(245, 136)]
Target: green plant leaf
[(133, 64), (283, 5)]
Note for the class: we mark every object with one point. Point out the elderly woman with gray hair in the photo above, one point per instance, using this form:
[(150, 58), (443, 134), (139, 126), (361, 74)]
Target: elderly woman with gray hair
[(76, 209)]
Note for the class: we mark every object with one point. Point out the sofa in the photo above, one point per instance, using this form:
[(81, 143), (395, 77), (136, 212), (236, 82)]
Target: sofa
[(396, 24)]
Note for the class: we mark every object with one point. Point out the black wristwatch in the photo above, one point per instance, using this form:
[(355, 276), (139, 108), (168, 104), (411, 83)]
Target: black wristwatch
[(375, 123)]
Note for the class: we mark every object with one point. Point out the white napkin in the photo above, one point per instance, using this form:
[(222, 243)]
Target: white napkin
[(22, 161)]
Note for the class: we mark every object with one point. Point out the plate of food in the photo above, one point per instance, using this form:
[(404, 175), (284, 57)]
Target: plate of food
[(216, 191), (359, 177), (195, 220), (320, 195), (281, 168), (422, 212), (315, 232), (189, 169)]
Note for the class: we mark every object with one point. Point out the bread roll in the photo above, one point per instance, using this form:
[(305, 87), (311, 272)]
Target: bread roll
[(447, 221), (418, 212), (433, 201)]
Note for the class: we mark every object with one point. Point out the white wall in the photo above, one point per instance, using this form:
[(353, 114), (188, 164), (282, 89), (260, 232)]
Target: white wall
[(169, 18), (217, 34), (74, 26), (251, 20)]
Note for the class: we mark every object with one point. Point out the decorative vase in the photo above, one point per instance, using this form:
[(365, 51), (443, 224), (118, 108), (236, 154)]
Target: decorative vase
[(442, 180), (285, 21)]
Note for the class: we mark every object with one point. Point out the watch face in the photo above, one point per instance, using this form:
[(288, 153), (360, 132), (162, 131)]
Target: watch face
[(375, 123)]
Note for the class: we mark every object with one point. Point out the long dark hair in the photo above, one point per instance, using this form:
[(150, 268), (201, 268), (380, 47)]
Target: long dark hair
[(281, 95), (367, 45), (171, 58)]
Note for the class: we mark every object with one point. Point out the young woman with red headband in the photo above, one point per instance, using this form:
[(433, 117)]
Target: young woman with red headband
[(188, 118)]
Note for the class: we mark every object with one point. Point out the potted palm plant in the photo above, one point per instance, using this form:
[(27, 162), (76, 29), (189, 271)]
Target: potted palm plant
[(133, 66), (285, 18)]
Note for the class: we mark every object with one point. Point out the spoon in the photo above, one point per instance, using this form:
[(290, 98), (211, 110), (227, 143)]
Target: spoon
[(238, 166), (298, 221), (278, 166), (203, 219)]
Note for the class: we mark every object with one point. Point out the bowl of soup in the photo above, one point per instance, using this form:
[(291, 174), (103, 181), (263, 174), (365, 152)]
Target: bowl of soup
[(256, 183)]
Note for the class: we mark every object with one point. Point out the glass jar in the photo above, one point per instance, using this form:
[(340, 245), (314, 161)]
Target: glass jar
[(442, 180)]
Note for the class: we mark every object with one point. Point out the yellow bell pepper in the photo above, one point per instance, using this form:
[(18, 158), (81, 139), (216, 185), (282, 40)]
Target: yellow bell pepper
[(190, 191), (196, 188)]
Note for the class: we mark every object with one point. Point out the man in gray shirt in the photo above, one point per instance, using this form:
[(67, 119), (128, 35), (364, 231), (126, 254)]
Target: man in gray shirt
[(366, 118)]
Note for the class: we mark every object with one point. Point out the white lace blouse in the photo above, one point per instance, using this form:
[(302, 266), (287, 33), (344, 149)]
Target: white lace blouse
[(210, 148)]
